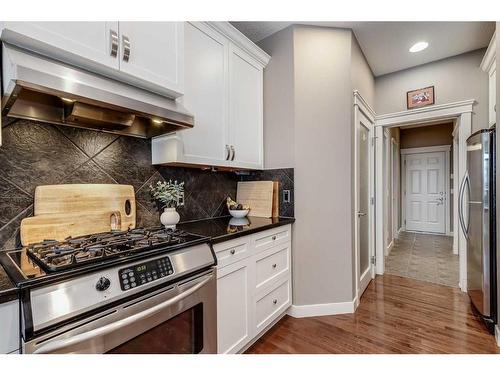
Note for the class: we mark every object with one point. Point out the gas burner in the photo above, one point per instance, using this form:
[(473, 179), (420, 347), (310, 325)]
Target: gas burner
[(54, 256)]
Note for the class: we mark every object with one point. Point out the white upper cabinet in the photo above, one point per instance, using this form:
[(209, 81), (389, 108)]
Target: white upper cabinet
[(145, 54), (153, 52), (245, 110), (205, 95), (224, 92), (67, 41)]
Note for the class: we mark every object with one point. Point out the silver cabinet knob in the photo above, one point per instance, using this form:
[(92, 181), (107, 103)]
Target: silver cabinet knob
[(275, 301), (232, 251), (275, 265), (274, 238), (233, 152), (113, 43), (228, 152)]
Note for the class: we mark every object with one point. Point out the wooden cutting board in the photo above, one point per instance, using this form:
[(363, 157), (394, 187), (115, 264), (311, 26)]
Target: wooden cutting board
[(80, 208), (258, 195), (85, 198), (61, 226)]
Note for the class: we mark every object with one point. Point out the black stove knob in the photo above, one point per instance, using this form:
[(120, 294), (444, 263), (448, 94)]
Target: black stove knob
[(102, 284)]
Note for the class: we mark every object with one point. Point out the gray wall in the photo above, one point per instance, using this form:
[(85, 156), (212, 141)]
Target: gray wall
[(455, 78), (327, 65), (279, 100)]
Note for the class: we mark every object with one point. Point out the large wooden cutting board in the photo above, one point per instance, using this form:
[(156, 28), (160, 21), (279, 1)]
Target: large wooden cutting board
[(61, 226), (78, 209), (258, 195)]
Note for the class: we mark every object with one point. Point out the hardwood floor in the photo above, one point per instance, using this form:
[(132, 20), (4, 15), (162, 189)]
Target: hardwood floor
[(395, 315)]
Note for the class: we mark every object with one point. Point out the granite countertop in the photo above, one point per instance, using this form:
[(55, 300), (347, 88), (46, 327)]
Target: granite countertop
[(8, 291), (226, 228)]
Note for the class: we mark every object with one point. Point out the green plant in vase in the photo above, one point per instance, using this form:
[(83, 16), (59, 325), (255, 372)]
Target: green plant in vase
[(168, 194)]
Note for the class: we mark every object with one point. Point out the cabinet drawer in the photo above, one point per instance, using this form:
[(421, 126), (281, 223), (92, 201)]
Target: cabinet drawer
[(232, 251), (271, 304), (271, 264), (272, 237)]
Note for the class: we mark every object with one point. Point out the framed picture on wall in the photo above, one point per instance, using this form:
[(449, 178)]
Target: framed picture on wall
[(420, 97)]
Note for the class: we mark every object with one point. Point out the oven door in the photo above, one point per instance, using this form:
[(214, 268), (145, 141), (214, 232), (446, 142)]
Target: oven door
[(180, 318)]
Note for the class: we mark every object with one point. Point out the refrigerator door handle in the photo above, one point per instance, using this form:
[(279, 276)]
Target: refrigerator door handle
[(465, 181)]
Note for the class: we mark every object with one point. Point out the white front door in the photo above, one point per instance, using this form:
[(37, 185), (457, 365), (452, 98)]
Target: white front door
[(425, 192)]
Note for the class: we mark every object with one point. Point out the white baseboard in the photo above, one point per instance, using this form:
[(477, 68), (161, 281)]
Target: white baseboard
[(497, 334), (302, 311)]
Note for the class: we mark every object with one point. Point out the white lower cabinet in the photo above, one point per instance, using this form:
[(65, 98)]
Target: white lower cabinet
[(9, 327), (234, 306), (253, 288)]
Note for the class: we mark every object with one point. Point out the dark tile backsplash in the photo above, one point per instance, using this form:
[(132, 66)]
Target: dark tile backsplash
[(35, 154)]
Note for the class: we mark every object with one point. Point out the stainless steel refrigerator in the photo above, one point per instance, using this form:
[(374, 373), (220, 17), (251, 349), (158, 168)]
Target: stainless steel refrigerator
[(477, 219)]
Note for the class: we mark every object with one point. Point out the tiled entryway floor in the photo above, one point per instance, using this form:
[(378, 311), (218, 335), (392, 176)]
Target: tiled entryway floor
[(424, 257)]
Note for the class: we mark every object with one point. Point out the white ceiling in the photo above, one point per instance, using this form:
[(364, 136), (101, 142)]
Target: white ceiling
[(386, 44)]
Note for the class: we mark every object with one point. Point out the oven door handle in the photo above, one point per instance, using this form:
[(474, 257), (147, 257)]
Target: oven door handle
[(57, 345)]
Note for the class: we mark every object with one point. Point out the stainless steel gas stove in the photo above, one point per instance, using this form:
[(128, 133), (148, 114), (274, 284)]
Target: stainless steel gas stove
[(139, 291)]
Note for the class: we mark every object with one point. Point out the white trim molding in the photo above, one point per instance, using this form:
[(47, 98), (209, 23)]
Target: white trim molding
[(421, 150), (240, 40), (489, 56), (304, 311), (363, 106), (426, 114), (461, 113)]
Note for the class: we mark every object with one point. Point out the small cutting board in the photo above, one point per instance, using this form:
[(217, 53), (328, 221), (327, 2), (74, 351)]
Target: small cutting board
[(258, 195), (61, 226)]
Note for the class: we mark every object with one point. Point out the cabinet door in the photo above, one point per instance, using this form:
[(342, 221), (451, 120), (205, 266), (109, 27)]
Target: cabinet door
[(245, 109), (9, 327), (155, 53), (73, 42), (205, 95), (234, 306)]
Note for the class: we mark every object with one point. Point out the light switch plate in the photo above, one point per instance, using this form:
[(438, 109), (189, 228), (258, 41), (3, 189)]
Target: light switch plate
[(286, 196)]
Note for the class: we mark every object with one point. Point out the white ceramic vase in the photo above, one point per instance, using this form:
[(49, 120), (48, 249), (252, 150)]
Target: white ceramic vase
[(170, 217)]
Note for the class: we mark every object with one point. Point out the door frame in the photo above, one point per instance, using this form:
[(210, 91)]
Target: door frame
[(421, 150), (360, 105), (461, 113), (396, 188)]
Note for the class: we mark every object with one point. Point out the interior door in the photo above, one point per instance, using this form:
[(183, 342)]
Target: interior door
[(153, 52), (364, 241), (425, 192)]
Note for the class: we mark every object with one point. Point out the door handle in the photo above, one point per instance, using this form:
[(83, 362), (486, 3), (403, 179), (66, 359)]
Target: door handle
[(440, 201), (361, 214), (126, 48), (233, 152), (113, 43), (465, 228)]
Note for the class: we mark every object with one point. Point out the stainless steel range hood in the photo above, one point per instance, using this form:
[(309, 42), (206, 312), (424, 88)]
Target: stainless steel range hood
[(42, 89)]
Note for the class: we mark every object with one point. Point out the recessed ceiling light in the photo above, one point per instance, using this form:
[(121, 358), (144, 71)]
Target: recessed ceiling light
[(419, 46)]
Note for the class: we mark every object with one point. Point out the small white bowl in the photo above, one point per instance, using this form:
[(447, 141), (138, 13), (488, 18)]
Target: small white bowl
[(239, 213)]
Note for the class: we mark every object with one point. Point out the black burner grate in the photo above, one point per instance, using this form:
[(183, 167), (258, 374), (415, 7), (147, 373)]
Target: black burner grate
[(73, 252)]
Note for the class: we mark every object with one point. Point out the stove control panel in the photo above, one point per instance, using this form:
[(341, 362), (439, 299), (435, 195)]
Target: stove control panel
[(143, 273)]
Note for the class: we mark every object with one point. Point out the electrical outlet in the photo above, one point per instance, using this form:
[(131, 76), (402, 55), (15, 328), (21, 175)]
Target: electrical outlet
[(286, 196), (180, 200)]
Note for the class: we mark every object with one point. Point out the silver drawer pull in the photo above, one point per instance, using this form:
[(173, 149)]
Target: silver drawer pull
[(113, 43), (232, 251), (275, 265), (126, 48), (275, 301), (274, 238)]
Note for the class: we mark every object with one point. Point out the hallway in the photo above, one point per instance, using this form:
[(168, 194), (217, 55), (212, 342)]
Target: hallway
[(395, 315), (424, 257)]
